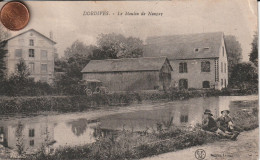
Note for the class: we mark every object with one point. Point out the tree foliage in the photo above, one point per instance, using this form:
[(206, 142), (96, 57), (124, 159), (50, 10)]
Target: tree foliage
[(244, 75), (113, 46), (234, 52), (3, 53), (77, 51), (76, 58), (253, 57), (4, 34), (21, 71)]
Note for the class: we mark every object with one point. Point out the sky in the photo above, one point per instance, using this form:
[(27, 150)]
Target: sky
[(66, 21)]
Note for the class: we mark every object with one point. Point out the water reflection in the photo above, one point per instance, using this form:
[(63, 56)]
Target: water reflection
[(179, 113), (25, 136), (79, 126), (29, 134)]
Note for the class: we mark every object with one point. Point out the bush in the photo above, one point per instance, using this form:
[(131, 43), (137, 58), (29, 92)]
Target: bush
[(27, 87)]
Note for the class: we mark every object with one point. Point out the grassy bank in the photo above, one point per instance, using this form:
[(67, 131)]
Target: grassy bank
[(130, 145), (83, 102)]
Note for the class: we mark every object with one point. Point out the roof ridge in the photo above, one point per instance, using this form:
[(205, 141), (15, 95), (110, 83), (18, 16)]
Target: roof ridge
[(186, 34), (128, 58), (28, 31)]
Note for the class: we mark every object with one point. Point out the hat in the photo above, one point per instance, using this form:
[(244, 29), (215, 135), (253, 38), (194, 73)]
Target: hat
[(225, 110), (207, 111)]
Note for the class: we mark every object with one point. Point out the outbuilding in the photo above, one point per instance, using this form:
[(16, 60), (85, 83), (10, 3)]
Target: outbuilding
[(130, 74)]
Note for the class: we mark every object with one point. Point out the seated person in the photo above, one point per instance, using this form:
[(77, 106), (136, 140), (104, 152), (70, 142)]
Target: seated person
[(226, 126), (208, 123)]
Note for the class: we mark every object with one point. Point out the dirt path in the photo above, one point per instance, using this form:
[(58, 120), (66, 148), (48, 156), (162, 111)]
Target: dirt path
[(245, 148)]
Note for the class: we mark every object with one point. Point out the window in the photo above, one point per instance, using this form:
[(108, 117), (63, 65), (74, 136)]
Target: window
[(43, 54), (31, 52), (206, 49), (44, 67), (31, 142), (31, 67), (31, 132), (196, 49), (205, 84), (225, 82), (221, 82), (223, 51), (221, 67), (18, 53), (225, 68), (205, 66), (31, 42), (184, 118), (183, 84), (183, 67)]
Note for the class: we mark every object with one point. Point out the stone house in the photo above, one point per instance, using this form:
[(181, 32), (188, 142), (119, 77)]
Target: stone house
[(199, 61), (130, 74), (36, 50)]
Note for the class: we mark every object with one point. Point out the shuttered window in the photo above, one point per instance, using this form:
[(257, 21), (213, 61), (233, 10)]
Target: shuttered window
[(205, 66), (183, 67)]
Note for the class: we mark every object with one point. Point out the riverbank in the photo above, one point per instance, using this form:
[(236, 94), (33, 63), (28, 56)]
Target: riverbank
[(246, 147), (132, 145), (10, 105)]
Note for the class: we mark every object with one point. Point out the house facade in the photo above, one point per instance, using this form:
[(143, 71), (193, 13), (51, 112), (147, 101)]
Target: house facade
[(130, 74), (36, 50), (199, 61)]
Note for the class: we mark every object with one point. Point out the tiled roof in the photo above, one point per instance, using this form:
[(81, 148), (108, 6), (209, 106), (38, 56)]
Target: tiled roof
[(125, 64), (201, 45)]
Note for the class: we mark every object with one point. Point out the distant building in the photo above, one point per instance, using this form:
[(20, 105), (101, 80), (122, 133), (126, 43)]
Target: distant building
[(198, 60), (130, 74), (36, 50)]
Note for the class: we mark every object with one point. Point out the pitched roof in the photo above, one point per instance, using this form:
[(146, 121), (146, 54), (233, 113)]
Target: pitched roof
[(125, 64), (28, 31), (184, 46)]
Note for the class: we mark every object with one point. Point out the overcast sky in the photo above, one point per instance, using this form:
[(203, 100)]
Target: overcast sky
[(66, 20)]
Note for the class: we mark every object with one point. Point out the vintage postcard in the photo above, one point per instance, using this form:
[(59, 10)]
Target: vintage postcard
[(115, 80)]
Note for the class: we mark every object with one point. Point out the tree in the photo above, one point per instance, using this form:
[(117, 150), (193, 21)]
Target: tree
[(22, 72), (76, 58), (244, 75), (253, 57), (234, 52), (3, 53), (4, 34), (113, 46), (78, 50)]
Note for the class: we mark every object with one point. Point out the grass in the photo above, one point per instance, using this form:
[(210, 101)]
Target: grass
[(131, 145)]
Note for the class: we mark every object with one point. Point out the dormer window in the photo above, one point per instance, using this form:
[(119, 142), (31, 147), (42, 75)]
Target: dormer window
[(206, 48)]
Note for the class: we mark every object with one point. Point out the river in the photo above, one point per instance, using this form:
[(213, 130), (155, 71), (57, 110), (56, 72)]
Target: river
[(79, 128)]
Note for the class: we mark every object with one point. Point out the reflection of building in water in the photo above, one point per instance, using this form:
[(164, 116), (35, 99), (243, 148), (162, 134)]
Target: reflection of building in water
[(29, 135), (179, 113)]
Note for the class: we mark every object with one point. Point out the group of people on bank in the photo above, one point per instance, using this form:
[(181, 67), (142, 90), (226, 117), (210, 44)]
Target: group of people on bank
[(222, 126)]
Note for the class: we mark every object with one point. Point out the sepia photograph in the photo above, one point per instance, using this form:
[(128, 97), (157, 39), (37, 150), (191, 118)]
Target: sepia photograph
[(117, 80)]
